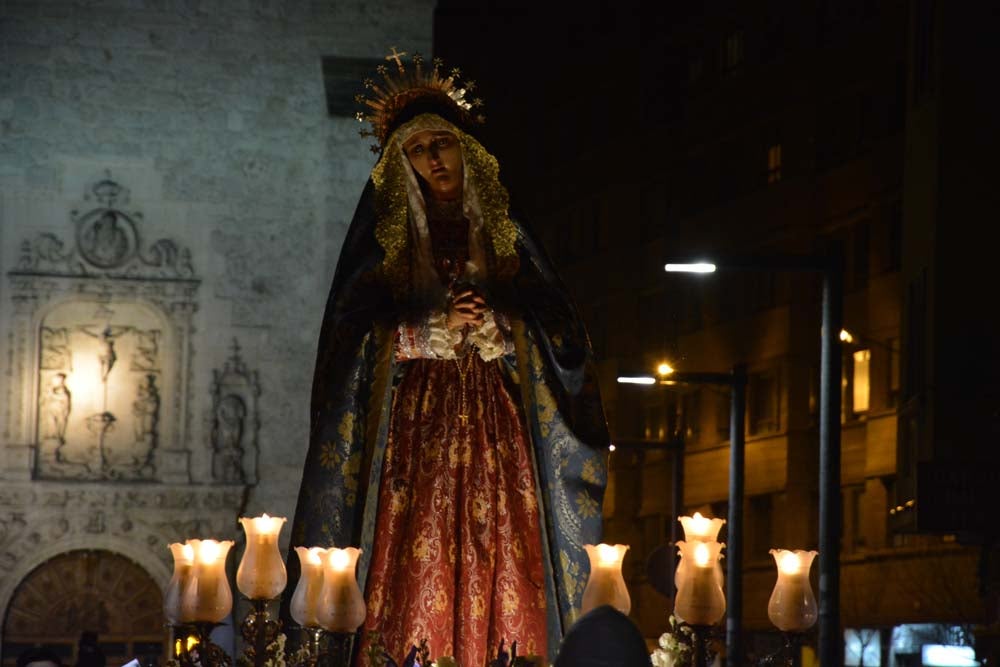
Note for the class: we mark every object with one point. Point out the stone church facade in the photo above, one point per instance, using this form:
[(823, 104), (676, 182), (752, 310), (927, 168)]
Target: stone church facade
[(175, 182)]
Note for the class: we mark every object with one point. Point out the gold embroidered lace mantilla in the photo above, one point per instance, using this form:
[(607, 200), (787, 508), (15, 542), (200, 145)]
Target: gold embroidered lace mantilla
[(391, 201)]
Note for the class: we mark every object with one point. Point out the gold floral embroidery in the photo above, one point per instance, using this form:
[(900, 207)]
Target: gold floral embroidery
[(480, 506), (478, 607), (508, 602), (346, 426), (586, 506), (400, 499), (328, 456), (422, 549), (591, 472)]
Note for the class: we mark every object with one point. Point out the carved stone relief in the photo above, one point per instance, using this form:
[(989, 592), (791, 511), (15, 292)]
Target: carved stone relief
[(235, 421), (99, 413), (107, 243), (101, 339)]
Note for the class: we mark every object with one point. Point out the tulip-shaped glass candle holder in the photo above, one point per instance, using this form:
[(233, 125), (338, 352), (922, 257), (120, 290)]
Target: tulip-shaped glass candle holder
[(701, 529), (792, 607), (606, 585), (206, 598), (183, 560), (308, 595), (699, 600), (342, 607), (261, 577)]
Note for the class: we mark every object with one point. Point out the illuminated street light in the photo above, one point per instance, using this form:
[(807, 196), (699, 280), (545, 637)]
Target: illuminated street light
[(845, 336), (636, 379), (664, 368), (831, 266), (691, 267)]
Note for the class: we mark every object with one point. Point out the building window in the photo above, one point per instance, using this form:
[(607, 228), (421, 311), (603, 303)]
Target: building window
[(852, 531), (861, 381), (893, 398), (764, 415), (723, 412), (691, 416), (759, 527), (732, 56), (774, 163)]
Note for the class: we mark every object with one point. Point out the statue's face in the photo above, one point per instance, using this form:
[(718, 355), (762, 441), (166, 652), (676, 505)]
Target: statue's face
[(437, 157)]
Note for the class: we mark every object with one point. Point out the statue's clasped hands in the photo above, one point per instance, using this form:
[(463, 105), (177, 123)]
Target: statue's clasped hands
[(467, 307)]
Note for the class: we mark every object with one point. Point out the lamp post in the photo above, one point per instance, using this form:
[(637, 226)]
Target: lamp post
[(736, 380), (831, 267)]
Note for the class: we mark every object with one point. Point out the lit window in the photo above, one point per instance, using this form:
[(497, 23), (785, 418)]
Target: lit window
[(774, 163), (862, 386)]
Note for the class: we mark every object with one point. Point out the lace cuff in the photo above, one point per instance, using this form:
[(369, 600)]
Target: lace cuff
[(428, 339), (492, 337)]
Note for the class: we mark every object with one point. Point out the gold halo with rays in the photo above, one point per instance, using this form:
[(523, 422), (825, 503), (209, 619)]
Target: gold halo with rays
[(401, 87)]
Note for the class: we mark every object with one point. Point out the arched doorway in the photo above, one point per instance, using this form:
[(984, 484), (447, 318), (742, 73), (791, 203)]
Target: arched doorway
[(88, 590)]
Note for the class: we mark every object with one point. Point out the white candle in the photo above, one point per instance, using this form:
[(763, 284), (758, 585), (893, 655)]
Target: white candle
[(262, 575)]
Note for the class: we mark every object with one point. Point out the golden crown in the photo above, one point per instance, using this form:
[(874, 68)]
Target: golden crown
[(402, 88)]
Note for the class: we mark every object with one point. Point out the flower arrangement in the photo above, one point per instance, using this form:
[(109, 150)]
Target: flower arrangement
[(676, 646)]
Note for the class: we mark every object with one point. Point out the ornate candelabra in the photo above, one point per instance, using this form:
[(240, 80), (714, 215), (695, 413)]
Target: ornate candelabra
[(327, 603)]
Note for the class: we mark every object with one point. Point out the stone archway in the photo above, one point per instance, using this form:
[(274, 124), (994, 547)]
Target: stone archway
[(86, 590)]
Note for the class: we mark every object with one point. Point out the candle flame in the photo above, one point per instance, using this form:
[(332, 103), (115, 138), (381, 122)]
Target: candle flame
[(607, 554), (187, 552), (339, 559), (208, 553), (789, 563), (312, 556), (700, 525), (702, 555)]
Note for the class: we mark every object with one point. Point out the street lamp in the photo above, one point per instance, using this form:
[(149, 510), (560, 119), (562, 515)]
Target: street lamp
[(831, 267), (736, 380)]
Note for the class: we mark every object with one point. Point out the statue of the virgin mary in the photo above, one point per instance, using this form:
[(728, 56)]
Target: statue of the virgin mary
[(457, 431)]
